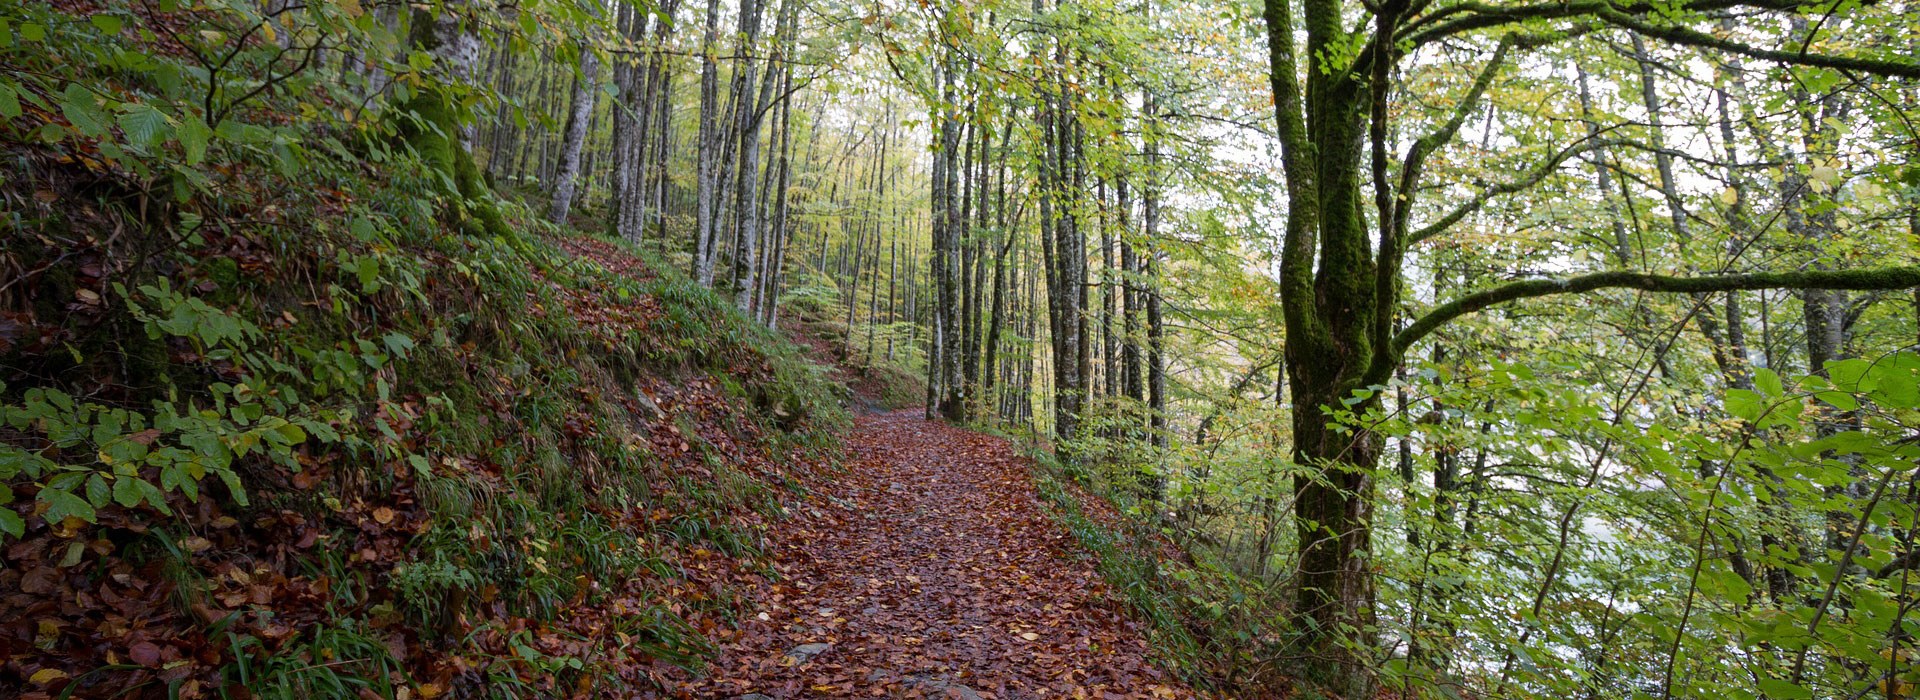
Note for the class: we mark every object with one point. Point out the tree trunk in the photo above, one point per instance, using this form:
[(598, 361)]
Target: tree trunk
[(746, 207), (947, 240), (579, 121), (435, 126), (1150, 272), (707, 161)]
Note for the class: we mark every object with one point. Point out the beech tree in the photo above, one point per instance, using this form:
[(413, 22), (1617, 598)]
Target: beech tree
[(1341, 267)]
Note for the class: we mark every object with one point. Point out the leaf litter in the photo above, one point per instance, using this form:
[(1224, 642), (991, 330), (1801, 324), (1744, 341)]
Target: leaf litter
[(930, 569)]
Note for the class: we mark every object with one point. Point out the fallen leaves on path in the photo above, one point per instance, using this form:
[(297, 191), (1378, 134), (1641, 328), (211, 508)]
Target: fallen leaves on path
[(930, 569)]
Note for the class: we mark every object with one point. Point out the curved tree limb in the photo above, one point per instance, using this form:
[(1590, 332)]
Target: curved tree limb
[(1694, 37), (1529, 179), (1468, 16), (1858, 280)]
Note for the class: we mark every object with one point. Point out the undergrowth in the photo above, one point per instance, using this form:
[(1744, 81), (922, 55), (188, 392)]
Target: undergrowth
[(1203, 621), (280, 429), (882, 364)]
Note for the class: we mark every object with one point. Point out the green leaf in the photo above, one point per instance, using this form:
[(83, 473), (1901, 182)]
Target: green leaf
[(1745, 405), (194, 137), (1847, 374), (398, 344), (144, 125), (11, 523), (1783, 690), (98, 493), (1839, 399), (109, 24), (233, 485), (62, 505), (1768, 382), (368, 269), (125, 493), (9, 101), (78, 106), (363, 229), (420, 465), (291, 434), (152, 494)]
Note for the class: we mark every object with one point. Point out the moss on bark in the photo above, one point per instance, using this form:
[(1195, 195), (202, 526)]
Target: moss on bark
[(430, 125)]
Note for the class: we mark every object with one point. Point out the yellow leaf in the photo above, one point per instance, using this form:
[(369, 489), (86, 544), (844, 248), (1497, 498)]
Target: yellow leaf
[(47, 676)]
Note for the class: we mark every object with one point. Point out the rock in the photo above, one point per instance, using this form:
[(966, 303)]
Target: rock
[(804, 653), (647, 404), (956, 691), (930, 685)]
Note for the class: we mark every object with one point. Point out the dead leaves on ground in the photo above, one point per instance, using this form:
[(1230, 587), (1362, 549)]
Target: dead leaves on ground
[(932, 571)]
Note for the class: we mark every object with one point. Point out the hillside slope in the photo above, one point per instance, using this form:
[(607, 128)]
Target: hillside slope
[(293, 432)]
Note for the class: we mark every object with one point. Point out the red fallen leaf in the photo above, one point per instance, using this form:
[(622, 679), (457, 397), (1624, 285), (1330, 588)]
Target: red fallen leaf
[(144, 653)]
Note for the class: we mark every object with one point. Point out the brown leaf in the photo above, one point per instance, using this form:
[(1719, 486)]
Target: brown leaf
[(144, 653)]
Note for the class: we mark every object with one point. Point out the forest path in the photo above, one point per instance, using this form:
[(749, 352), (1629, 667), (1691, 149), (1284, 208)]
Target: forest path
[(930, 569)]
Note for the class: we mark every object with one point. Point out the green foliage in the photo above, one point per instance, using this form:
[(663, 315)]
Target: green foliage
[(91, 455), (1205, 622), (287, 312), (339, 661), (1758, 559)]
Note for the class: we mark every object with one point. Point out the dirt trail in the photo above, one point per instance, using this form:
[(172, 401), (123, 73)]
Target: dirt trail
[(929, 569)]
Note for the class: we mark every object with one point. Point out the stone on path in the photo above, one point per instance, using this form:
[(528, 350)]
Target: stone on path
[(804, 653)]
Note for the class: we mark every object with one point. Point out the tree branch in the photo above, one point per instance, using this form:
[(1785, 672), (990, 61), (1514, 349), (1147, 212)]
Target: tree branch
[(1297, 156), (1858, 280), (1531, 178), (1692, 37), (1415, 162), (1468, 16)]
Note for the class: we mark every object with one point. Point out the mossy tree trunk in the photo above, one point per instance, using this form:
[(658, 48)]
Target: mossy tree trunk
[(434, 121), (1340, 289)]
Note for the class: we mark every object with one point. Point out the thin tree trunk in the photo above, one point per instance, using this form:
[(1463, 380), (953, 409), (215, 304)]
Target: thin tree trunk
[(579, 122), (707, 166)]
